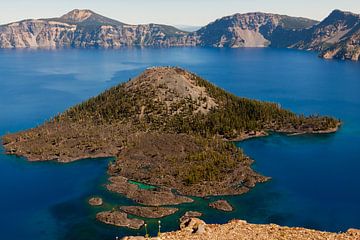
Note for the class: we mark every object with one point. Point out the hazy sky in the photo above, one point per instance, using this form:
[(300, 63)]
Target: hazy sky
[(187, 12)]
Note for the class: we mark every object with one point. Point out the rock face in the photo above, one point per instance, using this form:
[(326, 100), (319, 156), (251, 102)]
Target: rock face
[(337, 36), (347, 48), (119, 219), (222, 205), (149, 212), (196, 229), (193, 225), (95, 201)]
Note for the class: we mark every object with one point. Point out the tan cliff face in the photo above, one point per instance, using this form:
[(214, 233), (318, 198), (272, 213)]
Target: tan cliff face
[(36, 33), (349, 48)]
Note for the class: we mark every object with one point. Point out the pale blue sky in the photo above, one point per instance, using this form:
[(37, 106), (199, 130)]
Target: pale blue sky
[(188, 12)]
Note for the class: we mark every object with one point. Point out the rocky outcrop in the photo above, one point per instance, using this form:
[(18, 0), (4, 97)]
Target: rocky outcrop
[(222, 205), (149, 212), (190, 214), (119, 219), (196, 229), (96, 201), (193, 226)]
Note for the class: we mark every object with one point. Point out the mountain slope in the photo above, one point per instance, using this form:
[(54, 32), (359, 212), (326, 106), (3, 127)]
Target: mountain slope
[(333, 29), (248, 30)]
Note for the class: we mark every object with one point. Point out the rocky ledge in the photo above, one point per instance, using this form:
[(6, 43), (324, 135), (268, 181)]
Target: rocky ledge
[(149, 212), (196, 229), (119, 219), (222, 205)]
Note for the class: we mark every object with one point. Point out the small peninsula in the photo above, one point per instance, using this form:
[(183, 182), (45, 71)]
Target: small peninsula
[(166, 128)]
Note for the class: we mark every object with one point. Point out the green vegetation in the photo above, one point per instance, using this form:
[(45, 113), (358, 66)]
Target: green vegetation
[(232, 116), (211, 164)]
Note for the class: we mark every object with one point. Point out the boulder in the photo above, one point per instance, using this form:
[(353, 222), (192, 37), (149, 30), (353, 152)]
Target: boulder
[(193, 225)]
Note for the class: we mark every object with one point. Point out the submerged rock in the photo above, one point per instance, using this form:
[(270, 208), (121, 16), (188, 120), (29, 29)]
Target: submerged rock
[(222, 205)]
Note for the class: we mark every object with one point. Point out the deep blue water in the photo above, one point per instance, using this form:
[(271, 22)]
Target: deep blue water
[(315, 179)]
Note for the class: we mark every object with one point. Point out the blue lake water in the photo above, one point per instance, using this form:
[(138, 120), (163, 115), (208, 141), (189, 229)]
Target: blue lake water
[(315, 179)]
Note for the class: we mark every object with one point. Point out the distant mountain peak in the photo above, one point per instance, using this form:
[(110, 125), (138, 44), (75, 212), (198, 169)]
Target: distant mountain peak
[(342, 13), (77, 15)]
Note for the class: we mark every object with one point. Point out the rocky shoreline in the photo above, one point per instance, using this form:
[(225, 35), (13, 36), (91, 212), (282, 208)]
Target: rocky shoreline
[(196, 229)]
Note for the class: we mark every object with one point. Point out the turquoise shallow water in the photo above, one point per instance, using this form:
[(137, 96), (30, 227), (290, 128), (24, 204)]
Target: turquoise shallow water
[(315, 181)]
